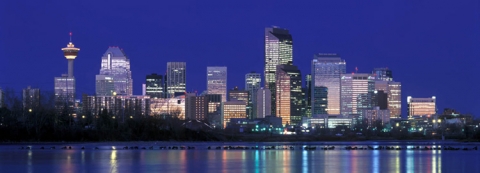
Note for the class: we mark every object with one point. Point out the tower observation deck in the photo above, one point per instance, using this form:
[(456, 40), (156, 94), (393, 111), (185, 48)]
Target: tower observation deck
[(70, 52)]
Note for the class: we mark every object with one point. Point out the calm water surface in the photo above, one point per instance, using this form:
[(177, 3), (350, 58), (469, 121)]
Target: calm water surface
[(106, 159)]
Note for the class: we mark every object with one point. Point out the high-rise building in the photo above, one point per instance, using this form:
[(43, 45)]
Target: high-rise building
[(237, 94), (176, 78), (394, 94), (104, 85), (232, 109), (252, 84), (308, 95), (380, 100), (278, 50), (64, 87), (196, 107), (263, 100), (421, 106), (383, 74), (214, 110), (289, 94), (115, 64), (31, 99), (172, 107), (376, 114), (154, 86), (320, 95), (217, 81), (326, 72), (356, 93)]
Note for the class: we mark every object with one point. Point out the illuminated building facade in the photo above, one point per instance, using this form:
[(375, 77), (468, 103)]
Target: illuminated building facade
[(278, 50), (308, 95), (252, 84), (421, 106), (104, 85), (196, 107), (168, 107), (217, 81), (176, 78), (232, 109), (376, 114), (289, 94), (214, 110), (116, 65), (356, 93), (327, 69), (64, 86), (154, 86), (382, 74), (394, 94), (320, 101), (120, 107)]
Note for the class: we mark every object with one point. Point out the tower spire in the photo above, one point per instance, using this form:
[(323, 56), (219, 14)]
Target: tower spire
[(70, 36)]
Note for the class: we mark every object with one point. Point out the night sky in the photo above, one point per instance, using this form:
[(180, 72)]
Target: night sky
[(432, 47)]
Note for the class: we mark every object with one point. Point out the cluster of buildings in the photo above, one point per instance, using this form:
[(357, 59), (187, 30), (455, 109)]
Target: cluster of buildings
[(324, 97)]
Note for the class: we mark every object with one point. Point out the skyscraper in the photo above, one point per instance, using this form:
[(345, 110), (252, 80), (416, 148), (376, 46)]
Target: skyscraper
[(196, 107), (116, 65), (264, 101), (289, 94), (421, 106), (252, 84), (320, 98), (31, 99), (237, 94), (278, 50), (64, 87), (383, 74), (154, 86), (356, 93), (104, 85), (308, 95), (217, 81), (176, 78), (326, 71)]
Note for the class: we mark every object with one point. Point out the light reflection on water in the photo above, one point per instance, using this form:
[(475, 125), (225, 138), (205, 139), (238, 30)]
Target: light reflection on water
[(203, 160)]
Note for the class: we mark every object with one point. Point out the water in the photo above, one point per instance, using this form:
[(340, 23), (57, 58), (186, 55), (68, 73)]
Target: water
[(200, 159)]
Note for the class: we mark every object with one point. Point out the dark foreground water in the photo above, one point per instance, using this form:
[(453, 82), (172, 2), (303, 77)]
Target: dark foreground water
[(200, 159)]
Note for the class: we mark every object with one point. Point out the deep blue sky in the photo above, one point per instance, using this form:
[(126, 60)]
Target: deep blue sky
[(432, 47)]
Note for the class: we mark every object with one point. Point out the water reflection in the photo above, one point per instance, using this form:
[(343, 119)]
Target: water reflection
[(113, 162)]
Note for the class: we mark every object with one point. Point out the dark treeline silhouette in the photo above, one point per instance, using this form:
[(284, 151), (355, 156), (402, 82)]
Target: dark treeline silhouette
[(43, 123)]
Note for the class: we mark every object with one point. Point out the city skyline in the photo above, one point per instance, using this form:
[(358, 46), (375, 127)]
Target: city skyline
[(412, 65)]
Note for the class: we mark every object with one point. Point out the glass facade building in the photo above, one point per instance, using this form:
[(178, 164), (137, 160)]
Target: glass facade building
[(289, 94), (252, 84), (278, 50), (320, 103), (264, 101), (326, 71), (154, 86), (383, 74), (356, 93), (421, 106), (104, 85), (116, 65), (217, 81), (64, 94), (176, 78)]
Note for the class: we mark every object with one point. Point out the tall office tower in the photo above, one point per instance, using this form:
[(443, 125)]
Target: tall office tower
[(278, 50), (196, 107), (380, 100), (31, 99), (382, 74), (394, 94), (236, 94), (116, 65), (289, 94), (104, 85), (356, 93), (217, 81), (264, 101), (176, 78), (214, 110), (308, 95), (320, 95), (252, 84), (232, 109), (326, 72), (154, 86), (64, 87), (421, 106)]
